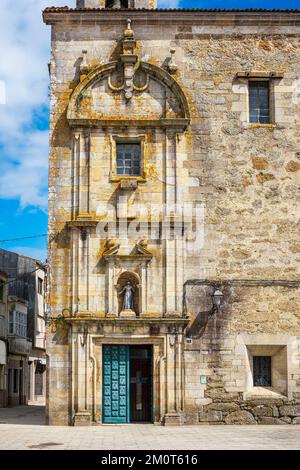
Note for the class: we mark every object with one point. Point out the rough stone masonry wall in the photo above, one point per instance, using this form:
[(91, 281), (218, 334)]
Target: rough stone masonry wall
[(248, 184), (252, 315), (246, 176)]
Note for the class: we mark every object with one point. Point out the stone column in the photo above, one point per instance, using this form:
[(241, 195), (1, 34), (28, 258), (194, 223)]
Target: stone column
[(171, 308), (82, 416), (174, 414), (81, 173), (143, 290), (179, 375), (111, 290), (75, 174), (31, 381), (74, 269), (180, 155), (83, 270), (169, 245), (84, 174)]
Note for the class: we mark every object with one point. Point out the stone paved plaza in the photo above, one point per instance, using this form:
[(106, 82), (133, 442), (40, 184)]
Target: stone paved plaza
[(23, 428)]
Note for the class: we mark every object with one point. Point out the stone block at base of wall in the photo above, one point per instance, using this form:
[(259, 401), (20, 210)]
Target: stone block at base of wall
[(82, 418), (254, 412)]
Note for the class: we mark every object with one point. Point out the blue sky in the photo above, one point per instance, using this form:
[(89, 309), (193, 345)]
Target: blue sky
[(24, 114)]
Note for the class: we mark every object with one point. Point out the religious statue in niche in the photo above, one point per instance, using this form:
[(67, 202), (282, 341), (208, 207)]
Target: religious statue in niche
[(128, 291), (128, 295)]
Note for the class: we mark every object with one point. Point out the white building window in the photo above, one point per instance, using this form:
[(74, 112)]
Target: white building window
[(18, 323)]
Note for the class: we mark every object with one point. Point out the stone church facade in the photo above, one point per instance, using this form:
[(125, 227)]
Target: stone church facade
[(197, 321)]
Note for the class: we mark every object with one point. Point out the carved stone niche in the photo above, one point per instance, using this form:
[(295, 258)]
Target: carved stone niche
[(127, 268), (134, 280)]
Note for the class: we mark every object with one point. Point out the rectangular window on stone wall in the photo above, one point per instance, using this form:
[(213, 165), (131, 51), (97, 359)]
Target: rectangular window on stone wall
[(262, 371), (129, 159), (259, 102)]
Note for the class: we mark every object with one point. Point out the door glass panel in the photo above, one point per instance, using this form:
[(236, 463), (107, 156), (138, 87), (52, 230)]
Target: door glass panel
[(140, 384)]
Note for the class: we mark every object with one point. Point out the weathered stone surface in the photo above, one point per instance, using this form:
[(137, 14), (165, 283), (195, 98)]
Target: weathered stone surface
[(210, 416), (240, 417), (266, 402), (286, 419), (224, 407), (219, 395), (293, 166), (259, 163), (262, 410), (270, 420), (289, 410)]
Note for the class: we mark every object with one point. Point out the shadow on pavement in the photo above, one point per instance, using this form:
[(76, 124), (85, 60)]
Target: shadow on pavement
[(25, 414)]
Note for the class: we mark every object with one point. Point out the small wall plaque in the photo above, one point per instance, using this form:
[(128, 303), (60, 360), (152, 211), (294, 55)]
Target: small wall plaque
[(203, 380)]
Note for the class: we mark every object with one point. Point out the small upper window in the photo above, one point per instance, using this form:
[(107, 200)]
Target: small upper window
[(262, 372), (116, 4), (129, 159), (40, 286), (259, 109)]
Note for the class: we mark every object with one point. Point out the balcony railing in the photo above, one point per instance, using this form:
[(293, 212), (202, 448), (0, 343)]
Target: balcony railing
[(18, 345)]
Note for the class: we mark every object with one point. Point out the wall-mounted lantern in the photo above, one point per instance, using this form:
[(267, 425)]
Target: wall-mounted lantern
[(217, 300)]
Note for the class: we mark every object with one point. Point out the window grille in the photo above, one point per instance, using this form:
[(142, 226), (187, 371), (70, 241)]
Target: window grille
[(128, 159), (259, 109)]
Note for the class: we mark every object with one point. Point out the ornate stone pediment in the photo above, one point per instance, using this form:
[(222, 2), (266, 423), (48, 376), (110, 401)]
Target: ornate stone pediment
[(127, 89)]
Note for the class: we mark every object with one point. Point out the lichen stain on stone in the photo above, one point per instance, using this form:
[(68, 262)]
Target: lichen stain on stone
[(292, 166), (259, 163), (263, 177), (246, 181), (265, 44)]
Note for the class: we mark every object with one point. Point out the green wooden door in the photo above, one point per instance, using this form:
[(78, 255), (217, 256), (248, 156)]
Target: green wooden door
[(115, 384)]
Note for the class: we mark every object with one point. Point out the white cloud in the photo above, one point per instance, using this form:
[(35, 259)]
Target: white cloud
[(25, 46), (2, 92), (24, 173)]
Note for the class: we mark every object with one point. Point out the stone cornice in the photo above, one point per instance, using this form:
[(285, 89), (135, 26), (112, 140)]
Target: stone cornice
[(172, 320), (233, 18), (131, 257), (178, 124), (244, 282)]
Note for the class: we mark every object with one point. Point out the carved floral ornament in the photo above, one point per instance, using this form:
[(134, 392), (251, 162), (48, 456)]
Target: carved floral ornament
[(126, 76)]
